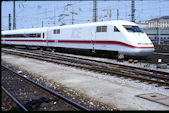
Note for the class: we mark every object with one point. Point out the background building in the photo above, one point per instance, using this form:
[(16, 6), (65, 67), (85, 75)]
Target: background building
[(162, 22), (157, 29)]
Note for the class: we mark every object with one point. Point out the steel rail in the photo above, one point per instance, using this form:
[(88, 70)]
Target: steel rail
[(122, 65), (86, 61), (128, 66), (96, 68), (49, 90), (14, 99)]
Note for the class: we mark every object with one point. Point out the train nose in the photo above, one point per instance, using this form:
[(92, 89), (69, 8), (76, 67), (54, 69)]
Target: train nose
[(145, 52), (140, 52)]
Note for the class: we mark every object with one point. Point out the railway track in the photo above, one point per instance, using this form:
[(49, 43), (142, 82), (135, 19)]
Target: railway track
[(151, 59), (28, 95), (142, 74), (167, 54)]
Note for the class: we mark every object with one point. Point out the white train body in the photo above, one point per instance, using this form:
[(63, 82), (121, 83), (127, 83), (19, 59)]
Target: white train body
[(115, 36)]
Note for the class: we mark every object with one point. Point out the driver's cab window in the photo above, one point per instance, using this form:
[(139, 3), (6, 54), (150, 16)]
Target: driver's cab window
[(116, 29)]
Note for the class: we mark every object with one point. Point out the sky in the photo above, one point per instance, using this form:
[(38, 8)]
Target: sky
[(32, 14)]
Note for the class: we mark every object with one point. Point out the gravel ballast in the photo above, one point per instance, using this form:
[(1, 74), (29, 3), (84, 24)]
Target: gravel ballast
[(93, 90)]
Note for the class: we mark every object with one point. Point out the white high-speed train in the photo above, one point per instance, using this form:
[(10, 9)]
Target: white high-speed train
[(118, 37)]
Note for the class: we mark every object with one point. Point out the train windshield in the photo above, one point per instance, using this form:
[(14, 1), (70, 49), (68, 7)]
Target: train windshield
[(130, 28)]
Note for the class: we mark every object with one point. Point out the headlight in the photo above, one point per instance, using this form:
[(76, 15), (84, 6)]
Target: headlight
[(145, 43)]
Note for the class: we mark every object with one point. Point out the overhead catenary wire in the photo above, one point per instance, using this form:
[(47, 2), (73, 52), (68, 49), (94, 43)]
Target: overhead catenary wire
[(37, 11)]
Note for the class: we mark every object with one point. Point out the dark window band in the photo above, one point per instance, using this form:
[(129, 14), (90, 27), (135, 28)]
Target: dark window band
[(35, 35)]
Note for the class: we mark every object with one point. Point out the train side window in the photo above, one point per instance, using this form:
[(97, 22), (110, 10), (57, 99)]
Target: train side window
[(98, 29), (104, 28), (101, 29), (38, 35), (115, 29), (54, 31), (58, 31)]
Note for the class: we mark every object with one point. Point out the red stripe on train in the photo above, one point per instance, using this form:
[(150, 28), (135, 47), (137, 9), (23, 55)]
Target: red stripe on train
[(83, 41), (100, 42)]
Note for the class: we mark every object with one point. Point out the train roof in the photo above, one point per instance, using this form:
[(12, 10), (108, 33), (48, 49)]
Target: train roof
[(113, 22), (30, 30), (38, 30)]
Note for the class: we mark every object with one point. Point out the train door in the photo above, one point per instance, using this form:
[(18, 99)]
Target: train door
[(44, 36), (93, 41)]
